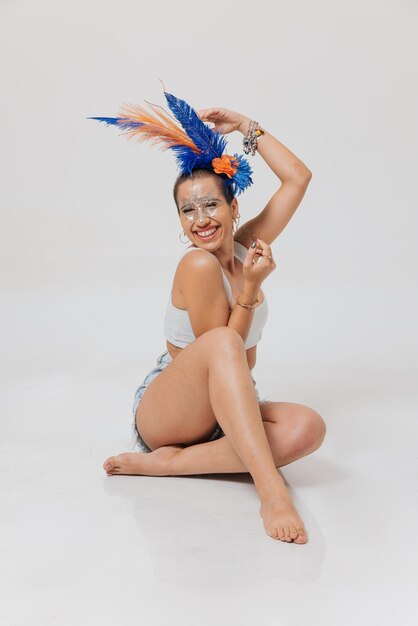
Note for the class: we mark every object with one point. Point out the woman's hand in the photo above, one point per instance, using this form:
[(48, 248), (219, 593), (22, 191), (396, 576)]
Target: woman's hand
[(225, 120), (257, 266)]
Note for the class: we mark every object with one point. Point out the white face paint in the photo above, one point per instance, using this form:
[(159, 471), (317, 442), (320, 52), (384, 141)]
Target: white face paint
[(199, 205)]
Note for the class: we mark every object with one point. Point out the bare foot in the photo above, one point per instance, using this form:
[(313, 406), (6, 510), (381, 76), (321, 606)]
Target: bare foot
[(281, 520), (154, 463)]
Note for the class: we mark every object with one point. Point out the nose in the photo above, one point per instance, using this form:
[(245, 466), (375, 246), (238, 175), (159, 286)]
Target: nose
[(201, 215)]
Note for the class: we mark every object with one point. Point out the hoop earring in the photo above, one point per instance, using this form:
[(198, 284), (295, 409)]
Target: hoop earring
[(183, 233), (236, 223)]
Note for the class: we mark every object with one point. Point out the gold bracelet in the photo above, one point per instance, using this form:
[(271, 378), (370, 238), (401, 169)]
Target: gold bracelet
[(248, 306)]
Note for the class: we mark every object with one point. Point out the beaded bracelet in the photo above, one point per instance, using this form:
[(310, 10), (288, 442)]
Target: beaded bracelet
[(250, 140)]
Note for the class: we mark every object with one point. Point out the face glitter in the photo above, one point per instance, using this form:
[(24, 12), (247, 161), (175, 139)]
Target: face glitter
[(199, 205)]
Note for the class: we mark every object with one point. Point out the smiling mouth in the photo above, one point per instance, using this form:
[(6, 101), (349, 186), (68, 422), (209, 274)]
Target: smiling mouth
[(207, 233)]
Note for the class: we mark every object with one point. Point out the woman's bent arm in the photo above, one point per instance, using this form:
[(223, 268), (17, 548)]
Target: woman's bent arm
[(241, 318), (206, 299)]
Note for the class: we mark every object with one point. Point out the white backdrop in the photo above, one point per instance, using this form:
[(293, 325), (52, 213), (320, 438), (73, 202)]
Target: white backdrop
[(87, 217), (89, 230)]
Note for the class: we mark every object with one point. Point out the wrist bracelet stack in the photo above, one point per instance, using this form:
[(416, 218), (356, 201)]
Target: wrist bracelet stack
[(250, 140)]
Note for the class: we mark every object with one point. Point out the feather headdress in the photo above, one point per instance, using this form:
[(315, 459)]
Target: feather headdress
[(194, 143)]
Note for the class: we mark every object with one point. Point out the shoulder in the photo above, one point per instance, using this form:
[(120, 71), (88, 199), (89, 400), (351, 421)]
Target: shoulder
[(201, 288), (199, 269), (198, 259)]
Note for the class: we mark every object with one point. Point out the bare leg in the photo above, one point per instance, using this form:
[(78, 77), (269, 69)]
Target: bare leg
[(205, 458), (298, 431), (234, 403), (287, 445)]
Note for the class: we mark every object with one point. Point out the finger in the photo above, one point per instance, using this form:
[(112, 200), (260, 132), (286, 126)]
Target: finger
[(255, 255), (259, 250), (211, 114), (265, 248), (256, 240), (250, 254)]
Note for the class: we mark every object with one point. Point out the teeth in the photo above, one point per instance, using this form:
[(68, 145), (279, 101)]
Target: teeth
[(206, 233)]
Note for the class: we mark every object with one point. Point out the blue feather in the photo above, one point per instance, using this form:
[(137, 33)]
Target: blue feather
[(242, 177), (121, 122), (210, 142)]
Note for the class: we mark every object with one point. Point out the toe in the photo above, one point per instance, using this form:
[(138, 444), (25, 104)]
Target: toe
[(293, 532), (287, 533), (110, 464), (302, 536), (281, 534), (272, 532)]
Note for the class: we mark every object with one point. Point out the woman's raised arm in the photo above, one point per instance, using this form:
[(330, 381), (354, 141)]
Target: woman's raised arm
[(291, 171)]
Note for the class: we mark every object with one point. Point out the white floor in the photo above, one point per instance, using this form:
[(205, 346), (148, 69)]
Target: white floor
[(81, 548)]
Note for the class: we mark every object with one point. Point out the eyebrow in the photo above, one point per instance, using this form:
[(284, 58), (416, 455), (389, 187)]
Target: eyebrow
[(188, 203)]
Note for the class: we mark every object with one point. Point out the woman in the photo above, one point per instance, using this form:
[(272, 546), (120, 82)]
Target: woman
[(199, 411)]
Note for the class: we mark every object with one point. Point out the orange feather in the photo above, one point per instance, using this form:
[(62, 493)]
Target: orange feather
[(157, 127)]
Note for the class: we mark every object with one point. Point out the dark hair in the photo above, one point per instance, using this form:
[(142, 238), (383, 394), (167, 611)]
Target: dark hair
[(225, 189)]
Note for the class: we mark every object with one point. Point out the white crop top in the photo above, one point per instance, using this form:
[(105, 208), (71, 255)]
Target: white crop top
[(178, 329)]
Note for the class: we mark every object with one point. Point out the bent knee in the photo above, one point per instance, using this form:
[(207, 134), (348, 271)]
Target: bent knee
[(312, 429), (223, 336)]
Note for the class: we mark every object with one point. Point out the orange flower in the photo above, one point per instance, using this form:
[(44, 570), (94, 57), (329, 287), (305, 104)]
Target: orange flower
[(226, 164)]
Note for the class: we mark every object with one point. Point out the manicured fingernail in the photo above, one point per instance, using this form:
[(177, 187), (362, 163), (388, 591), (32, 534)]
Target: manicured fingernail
[(254, 243)]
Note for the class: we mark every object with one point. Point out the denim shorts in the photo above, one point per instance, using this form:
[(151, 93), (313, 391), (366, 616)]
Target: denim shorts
[(138, 444)]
